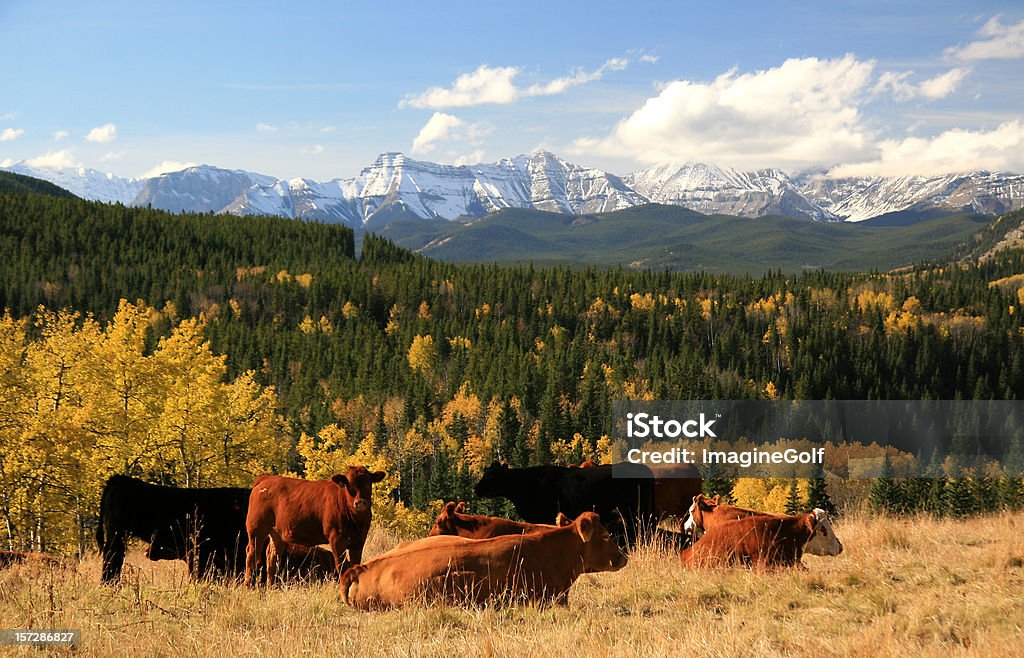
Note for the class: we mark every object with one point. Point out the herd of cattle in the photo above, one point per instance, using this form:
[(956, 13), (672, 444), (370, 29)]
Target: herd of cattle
[(277, 531)]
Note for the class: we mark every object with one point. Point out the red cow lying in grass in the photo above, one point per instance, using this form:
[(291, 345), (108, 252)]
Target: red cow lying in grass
[(334, 512), (705, 514), (305, 563), (539, 567), (453, 520)]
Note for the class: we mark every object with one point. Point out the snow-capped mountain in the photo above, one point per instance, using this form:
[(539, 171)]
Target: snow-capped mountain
[(856, 199), (198, 189), (396, 187), (86, 183), (718, 190)]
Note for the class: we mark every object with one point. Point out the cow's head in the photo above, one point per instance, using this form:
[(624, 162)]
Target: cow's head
[(358, 483), (823, 539), (494, 481), (600, 551), (445, 522), (165, 545), (694, 523)]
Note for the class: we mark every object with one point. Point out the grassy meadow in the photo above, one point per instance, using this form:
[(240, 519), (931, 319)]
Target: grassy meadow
[(902, 586)]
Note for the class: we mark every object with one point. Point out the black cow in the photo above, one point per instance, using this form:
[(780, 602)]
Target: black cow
[(204, 527), (623, 494)]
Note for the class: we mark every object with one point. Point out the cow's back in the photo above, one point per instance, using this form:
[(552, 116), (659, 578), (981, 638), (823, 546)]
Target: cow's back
[(755, 540)]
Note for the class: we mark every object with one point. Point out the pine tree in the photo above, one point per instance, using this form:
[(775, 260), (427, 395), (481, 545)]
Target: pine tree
[(793, 503), (818, 498)]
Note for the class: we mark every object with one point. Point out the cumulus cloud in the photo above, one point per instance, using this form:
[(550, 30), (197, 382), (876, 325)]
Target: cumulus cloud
[(446, 127), (496, 85), (998, 41), (900, 87), (58, 135), (105, 133), (649, 59), (437, 128), (484, 85), (266, 128), (957, 150), (10, 134), (166, 167), (469, 158), (801, 113), (54, 160), (315, 149)]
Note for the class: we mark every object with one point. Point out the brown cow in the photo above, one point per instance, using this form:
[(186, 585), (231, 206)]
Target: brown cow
[(762, 541), (8, 558), (306, 563), (334, 512), (454, 521), (705, 513), (538, 567)]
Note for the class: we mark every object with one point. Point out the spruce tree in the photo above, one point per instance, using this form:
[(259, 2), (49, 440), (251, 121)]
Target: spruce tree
[(793, 503), (817, 496)]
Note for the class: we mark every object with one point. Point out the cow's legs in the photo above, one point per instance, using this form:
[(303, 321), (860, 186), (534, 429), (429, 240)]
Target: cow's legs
[(255, 555), (113, 555), (338, 547), (275, 561)]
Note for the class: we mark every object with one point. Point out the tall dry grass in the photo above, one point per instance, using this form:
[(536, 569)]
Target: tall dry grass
[(902, 587)]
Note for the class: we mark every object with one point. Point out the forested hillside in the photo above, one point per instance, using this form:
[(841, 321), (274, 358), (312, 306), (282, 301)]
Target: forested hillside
[(429, 369)]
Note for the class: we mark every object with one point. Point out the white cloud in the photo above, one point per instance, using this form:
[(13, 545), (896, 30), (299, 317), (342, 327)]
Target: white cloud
[(105, 133), (9, 116), (488, 85), (112, 155), (328, 129), (801, 113), (475, 157), (10, 134), (484, 85), (54, 160), (649, 59), (899, 85), (7, 162), (316, 149), (999, 42), (58, 135), (266, 128), (952, 151), (166, 167), (944, 84), (438, 128)]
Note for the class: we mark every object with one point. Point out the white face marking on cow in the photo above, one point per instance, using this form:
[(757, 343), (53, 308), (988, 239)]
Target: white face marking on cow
[(824, 540)]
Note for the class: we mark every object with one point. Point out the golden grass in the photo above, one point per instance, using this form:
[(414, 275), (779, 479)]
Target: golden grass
[(917, 587)]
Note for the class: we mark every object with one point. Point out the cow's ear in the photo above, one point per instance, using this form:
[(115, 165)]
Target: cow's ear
[(378, 476), (462, 508), (340, 480), (717, 499), (812, 522), (585, 526), (562, 520)]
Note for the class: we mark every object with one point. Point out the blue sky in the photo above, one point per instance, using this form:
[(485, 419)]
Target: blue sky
[(319, 89)]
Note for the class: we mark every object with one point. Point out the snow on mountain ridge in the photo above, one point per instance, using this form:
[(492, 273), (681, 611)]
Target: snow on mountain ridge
[(396, 187)]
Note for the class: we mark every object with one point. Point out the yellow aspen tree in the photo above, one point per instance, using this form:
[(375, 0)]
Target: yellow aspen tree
[(188, 424)]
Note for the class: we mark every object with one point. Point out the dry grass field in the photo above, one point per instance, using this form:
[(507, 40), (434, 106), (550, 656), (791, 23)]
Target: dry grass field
[(902, 587)]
